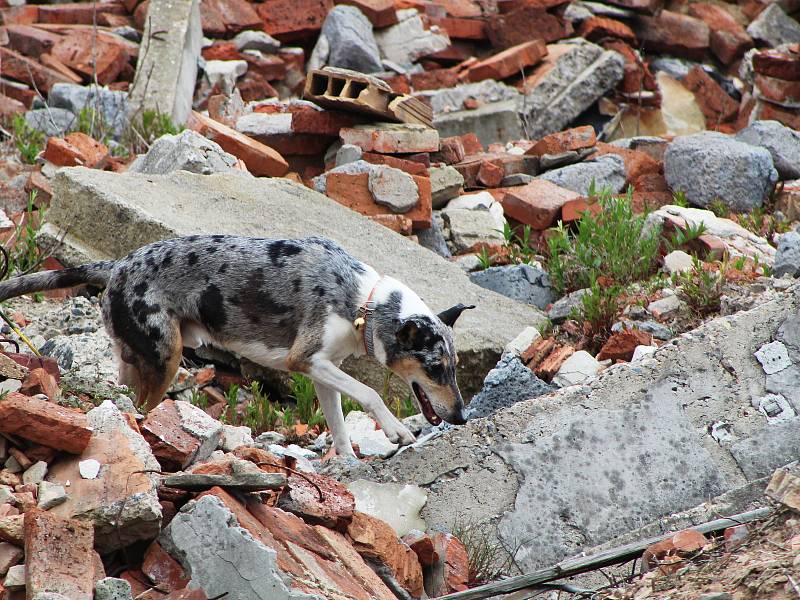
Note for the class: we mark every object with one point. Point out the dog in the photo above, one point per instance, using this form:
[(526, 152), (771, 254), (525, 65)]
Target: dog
[(301, 305)]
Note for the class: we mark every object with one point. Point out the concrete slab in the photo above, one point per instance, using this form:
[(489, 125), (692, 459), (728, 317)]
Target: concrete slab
[(166, 71), (111, 214), (493, 122)]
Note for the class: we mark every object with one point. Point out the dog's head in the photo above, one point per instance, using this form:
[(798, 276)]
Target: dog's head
[(425, 357)]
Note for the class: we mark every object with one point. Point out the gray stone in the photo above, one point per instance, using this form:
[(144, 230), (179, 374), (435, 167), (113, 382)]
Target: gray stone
[(519, 282), (446, 184), (348, 153), (516, 179), (122, 513), (347, 42), (576, 81), (110, 215), (188, 151), (494, 122), (774, 27), (393, 188), (15, 578), (465, 228), (49, 596), (111, 105), (775, 407), (234, 437), (505, 385), (657, 330), (243, 482), (112, 588), (607, 171), (52, 121), (774, 357), (371, 440), (166, 71), (774, 446), (563, 308), (35, 473), (577, 368), (715, 596), (408, 40), (782, 142), (433, 238), (256, 40), (666, 307), (50, 495), (127, 32), (787, 259), (678, 261), (488, 91), (202, 427), (220, 557), (708, 166), (224, 73)]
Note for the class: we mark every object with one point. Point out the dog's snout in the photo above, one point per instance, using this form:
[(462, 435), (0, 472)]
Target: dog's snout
[(457, 417)]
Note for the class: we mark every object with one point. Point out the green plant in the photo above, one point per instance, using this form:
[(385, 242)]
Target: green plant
[(761, 223), (701, 288), (683, 237), (146, 128), (24, 255), (613, 244), (488, 560), (305, 396), (199, 399), (740, 263), (599, 307), (520, 248), (29, 141), (349, 405), (93, 123), (484, 259), (679, 199), (719, 208), (230, 414), (767, 271)]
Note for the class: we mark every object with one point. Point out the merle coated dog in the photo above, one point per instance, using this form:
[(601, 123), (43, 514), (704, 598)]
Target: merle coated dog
[(299, 305)]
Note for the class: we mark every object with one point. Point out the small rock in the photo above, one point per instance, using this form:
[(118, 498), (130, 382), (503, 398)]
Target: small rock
[(774, 27), (15, 578), (256, 481), (233, 437), (409, 39), (111, 588), (666, 307), (348, 153), (562, 309), (607, 171), (256, 40), (678, 261), (180, 433), (112, 105), (363, 431), (507, 383), (642, 351), (301, 497), (519, 282), (433, 238), (787, 258), (621, 345), (35, 473), (773, 357), (53, 122), (187, 151), (466, 228), (347, 42), (50, 495), (522, 342), (480, 201), (576, 369), (89, 469), (782, 142), (446, 184), (715, 596), (395, 503), (224, 73), (269, 437), (392, 187)]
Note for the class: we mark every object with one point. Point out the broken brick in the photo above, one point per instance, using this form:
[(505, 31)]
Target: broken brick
[(461, 28), (774, 63), (490, 174), (599, 28), (39, 381), (728, 39), (576, 138), (399, 223), (508, 62), (26, 70), (714, 102), (674, 33), (163, 570), (451, 151), (10, 555), (423, 546), (452, 572), (232, 16), (537, 203), (261, 160), (290, 20), (58, 556), (550, 365), (409, 166), (30, 41), (301, 496), (26, 14), (10, 107), (76, 150), (92, 56), (777, 90), (434, 79), (525, 24), (381, 13), (376, 541), (637, 162), (391, 138), (78, 13), (573, 209), (621, 344), (637, 75), (45, 423)]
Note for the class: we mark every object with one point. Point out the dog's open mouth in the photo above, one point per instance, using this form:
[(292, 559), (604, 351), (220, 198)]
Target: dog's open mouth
[(425, 404)]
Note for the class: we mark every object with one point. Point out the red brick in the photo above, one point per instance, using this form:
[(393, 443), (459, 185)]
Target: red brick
[(423, 546), (620, 345), (451, 151), (26, 14), (650, 192), (381, 13), (773, 63), (409, 166), (637, 76), (163, 570), (552, 363), (525, 24), (10, 555), (30, 41), (45, 423), (599, 28), (28, 361), (537, 203), (79, 13), (777, 90), (490, 174), (509, 62), (471, 143), (716, 105), (301, 497), (269, 66), (39, 381), (573, 209), (462, 29), (19, 67), (453, 572), (140, 14), (234, 15), (254, 87), (398, 223), (321, 122), (674, 33), (470, 168), (394, 139), (434, 79), (58, 556), (51, 62), (644, 6), (10, 107), (261, 160), (76, 149), (637, 162), (88, 56), (376, 541), (353, 192), (293, 19), (221, 51), (576, 138), (728, 38)]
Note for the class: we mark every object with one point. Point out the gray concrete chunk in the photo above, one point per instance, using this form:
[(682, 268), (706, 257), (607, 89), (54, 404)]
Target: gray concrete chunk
[(775, 445), (188, 151)]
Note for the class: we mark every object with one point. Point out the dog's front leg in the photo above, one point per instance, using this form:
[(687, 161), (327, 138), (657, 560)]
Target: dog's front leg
[(331, 402), (327, 373)]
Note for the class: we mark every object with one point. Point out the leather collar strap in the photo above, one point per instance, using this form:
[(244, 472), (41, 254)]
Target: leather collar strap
[(363, 319)]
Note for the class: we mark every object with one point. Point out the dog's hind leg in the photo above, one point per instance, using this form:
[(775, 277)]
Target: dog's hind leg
[(331, 402)]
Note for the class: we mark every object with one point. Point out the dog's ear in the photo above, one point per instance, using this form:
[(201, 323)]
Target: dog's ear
[(449, 316), (415, 334)]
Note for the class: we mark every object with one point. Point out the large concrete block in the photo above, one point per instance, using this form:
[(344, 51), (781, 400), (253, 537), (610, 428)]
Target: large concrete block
[(494, 122), (109, 215), (167, 68)]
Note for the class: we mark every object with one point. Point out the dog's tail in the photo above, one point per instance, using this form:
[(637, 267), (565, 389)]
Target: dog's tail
[(96, 273)]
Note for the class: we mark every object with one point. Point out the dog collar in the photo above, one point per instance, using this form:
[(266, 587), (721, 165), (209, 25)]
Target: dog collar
[(364, 320)]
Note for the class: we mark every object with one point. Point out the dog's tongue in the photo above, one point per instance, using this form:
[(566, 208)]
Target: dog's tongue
[(427, 409)]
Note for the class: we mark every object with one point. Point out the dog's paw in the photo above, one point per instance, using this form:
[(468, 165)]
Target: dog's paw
[(398, 433)]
